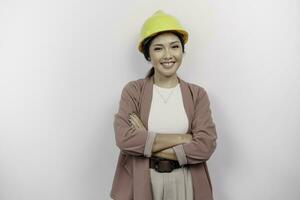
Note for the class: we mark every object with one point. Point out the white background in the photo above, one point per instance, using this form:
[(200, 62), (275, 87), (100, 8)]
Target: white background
[(63, 64)]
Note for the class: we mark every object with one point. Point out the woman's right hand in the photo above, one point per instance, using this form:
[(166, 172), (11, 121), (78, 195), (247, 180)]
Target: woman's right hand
[(136, 122)]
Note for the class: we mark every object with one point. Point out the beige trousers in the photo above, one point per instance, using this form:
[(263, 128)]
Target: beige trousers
[(176, 185)]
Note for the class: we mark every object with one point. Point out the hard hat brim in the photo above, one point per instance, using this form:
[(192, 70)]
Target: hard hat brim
[(182, 32)]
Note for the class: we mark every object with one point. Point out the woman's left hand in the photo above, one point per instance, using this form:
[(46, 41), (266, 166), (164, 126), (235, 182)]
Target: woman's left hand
[(136, 122)]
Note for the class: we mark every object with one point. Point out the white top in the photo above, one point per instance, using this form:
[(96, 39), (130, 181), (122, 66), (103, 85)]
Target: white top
[(169, 117)]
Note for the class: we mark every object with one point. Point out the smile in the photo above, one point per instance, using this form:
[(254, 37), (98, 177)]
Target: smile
[(168, 64)]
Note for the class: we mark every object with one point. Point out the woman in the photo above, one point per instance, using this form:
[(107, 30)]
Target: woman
[(163, 127)]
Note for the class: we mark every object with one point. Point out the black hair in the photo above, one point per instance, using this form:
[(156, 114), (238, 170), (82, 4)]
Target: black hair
[(146, 45)]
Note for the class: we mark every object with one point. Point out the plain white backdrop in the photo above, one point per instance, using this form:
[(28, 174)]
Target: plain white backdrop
[(63, 64)]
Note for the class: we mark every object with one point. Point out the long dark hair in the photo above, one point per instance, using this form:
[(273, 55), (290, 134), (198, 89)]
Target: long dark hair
[(146, 44)]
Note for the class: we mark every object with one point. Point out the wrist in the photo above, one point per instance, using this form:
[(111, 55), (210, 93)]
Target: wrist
[(186, 138), (183, 139)]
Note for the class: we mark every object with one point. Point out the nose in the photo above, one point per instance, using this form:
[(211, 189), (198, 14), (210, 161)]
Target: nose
[(168, 54)]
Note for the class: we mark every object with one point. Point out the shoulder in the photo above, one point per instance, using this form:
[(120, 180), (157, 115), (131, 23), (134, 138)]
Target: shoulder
[(199, 95), (134, 86), (196, 90)]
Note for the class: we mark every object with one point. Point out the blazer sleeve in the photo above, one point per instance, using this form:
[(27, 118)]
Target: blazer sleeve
[(203, 131), (131, 141)]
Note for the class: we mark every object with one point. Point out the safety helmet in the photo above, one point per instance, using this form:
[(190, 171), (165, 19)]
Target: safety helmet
[(160, 22)]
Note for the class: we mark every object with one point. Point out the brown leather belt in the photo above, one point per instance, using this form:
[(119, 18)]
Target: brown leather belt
[(163, 165)]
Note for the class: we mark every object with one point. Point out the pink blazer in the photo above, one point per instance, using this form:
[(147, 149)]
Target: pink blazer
[(132, 175)]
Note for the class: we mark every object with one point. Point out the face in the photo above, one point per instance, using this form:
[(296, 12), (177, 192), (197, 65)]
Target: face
[(166, 54)]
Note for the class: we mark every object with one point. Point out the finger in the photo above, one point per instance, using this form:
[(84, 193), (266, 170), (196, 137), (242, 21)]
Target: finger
[(134, 123), (135, 116), (132, 126), (138, 120), (131, 123)]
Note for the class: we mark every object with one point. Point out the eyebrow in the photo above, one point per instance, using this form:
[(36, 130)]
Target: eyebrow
[(162, 45)]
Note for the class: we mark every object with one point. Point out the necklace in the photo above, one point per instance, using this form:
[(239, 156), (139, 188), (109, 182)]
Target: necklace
[(165, 99)]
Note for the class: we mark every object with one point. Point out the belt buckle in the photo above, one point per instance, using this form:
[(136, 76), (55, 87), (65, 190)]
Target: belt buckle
[(157, 167)]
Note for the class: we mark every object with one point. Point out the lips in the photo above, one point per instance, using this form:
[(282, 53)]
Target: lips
[(168, 64)]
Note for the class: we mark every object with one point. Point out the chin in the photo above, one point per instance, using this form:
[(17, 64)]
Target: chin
[(169, 74)]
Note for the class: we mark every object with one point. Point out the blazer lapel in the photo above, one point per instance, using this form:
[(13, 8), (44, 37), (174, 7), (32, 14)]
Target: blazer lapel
[(187, 101)]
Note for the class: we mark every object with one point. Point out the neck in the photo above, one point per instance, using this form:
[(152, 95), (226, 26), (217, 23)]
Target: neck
[(166, 82)]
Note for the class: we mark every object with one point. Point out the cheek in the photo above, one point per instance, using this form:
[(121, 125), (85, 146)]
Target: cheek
[(177, 54), (155, 58)]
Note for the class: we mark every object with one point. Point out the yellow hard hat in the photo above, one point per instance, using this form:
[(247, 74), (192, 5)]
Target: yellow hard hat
[(159, 22)]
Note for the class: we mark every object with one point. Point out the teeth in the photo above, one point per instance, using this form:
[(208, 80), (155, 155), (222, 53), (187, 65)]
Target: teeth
[(168, 64)]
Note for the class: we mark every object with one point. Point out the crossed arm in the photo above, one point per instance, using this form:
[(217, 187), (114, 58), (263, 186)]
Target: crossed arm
[(163, 143)]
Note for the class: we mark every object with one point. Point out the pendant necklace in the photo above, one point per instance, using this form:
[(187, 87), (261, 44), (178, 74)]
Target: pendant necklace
[(165, 99)]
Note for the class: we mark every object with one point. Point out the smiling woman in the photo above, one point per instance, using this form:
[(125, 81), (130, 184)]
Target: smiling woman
[(163, 127)]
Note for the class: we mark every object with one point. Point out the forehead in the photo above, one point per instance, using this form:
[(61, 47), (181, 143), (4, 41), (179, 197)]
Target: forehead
[(165, 38)]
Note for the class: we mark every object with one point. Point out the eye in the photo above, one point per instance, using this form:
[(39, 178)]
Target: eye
[(157, 49), (176, 46)]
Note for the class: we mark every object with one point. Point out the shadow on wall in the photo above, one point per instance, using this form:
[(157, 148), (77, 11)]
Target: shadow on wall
[(224, 155)]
